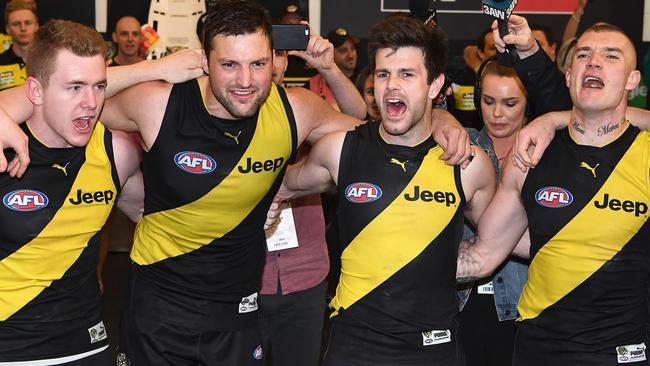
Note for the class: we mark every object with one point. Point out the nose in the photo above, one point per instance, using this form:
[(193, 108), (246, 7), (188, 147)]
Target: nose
[(497, 110), (392, 82), (595, 61), (89, 100), (244, 77)]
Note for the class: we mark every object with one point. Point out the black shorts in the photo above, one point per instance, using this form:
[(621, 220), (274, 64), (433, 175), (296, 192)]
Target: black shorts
[(359, 346), (145, 342), (536, 352)]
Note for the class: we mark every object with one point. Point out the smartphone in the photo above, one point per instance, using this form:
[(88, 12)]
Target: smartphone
[(288, 37)]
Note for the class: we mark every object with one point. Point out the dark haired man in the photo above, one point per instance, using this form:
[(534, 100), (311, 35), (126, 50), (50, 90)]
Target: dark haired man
[(400, 215), (216, 151), (586, 207)]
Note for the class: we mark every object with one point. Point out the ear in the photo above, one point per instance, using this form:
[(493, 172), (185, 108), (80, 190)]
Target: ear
[(436, 85), (633, 80), (34, 91), (204, 62), (567, 76)]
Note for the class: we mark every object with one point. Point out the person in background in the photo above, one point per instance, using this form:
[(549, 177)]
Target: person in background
[(365, 86), (21, 22), (127, 36), (345, 57)]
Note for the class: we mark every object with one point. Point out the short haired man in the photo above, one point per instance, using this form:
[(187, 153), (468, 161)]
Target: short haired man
[(127, 36), (400, 214), (51, 219), (586, 207), (21, 22)]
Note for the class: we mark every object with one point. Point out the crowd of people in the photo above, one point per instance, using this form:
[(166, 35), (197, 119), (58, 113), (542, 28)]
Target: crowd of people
[(348, 221)]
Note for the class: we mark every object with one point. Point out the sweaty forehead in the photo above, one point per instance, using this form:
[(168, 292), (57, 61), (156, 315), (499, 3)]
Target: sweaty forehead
[(608, 39)]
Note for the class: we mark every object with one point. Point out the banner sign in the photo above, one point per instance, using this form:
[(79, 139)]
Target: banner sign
[(474, 6)]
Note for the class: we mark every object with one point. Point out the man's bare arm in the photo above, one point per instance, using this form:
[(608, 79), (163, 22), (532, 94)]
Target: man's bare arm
[(479, 185), (176, 68), (500, 228), (127, 155), (318, 172)]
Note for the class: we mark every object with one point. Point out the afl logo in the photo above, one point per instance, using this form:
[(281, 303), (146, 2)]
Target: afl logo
[(25, 200), (362, 192), (195, 162), (553, 197)]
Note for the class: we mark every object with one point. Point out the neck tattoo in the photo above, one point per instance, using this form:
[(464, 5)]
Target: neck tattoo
[(603, 130)]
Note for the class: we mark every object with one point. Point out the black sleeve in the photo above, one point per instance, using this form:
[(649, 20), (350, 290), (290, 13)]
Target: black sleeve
[(545, 83)]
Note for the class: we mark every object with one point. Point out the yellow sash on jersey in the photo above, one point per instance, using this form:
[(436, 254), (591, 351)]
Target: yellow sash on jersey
[(31, 269), (397, 235), (591, 238), (180, 230)]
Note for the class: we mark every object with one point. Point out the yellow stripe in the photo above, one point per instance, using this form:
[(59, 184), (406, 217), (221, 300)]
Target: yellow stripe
[(397, 235), (591, 238), (180, 230), (27, 272)]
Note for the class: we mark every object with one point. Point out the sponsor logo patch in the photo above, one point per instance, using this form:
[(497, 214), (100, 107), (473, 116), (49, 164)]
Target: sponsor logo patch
[(25, 200), (631, 353), (553, 197), (433, 337), (97, 333), (195, 162), (248, 303), (362, 192)]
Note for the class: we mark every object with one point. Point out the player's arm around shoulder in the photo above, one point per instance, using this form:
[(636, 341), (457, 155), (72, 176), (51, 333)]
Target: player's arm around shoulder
[(318, 172), (127, 154), (479, 184), (138, 108), (315, 117)]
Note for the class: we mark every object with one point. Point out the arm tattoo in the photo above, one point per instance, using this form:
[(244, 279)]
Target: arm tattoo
[(467, 266)]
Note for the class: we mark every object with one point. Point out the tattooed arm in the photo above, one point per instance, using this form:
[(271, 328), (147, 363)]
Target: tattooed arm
[(499, 230)]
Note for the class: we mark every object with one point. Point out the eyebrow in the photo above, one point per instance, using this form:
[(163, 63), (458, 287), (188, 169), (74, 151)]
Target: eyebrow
[(607, 49)]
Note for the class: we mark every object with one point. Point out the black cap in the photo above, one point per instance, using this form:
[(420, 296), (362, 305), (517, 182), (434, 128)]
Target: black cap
[(292, 10), (338, 36)]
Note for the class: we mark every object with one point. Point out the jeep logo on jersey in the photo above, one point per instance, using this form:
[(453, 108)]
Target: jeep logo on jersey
[(25, 200), (195, 162), (362, 192), (553, 197), (638, 208), (91, 197), (270, 165)]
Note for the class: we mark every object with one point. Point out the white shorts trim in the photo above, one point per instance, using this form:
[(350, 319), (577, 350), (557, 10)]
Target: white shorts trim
[(54, 361)]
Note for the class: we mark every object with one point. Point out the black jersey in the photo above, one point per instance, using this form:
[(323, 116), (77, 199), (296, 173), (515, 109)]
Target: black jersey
[(209, 183), (50, 223), (400, 220), (586, 293)]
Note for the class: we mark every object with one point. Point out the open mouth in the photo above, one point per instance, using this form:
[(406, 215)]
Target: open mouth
[(593, 82), (82, 124), (242, 93), (395, 107)]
